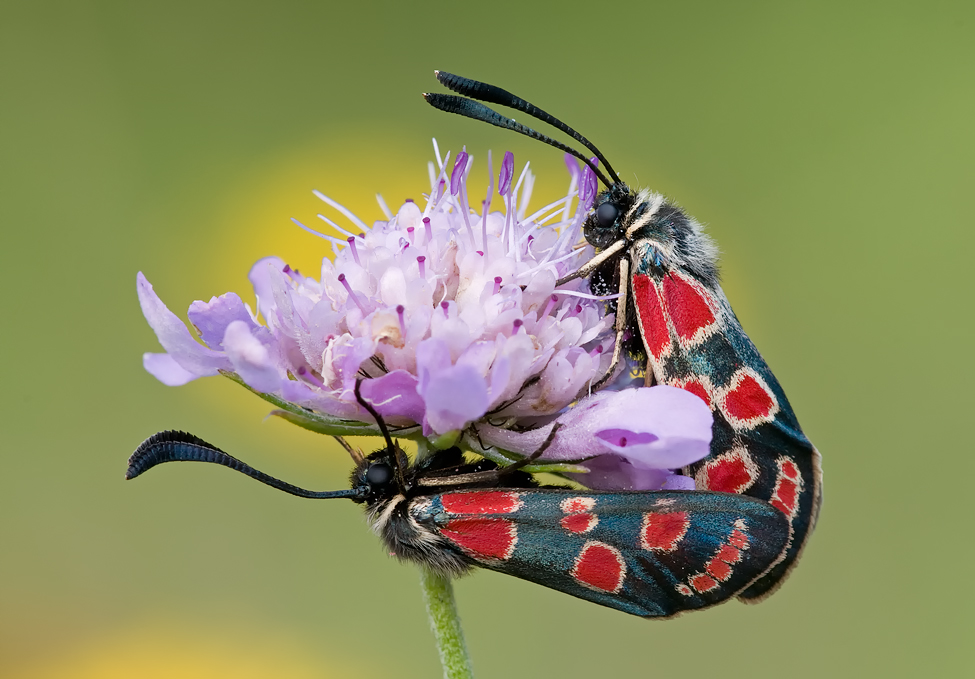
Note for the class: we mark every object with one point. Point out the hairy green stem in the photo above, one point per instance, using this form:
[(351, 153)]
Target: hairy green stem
[(438, 594)]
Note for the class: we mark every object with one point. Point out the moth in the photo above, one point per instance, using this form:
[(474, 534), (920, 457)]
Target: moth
[(652, 554), (673, 319)]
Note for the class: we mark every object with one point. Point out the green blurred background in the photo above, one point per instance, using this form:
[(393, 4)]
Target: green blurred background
[(829, 146)]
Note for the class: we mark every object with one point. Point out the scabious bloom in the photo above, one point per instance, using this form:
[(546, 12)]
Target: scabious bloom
[(451, 320)]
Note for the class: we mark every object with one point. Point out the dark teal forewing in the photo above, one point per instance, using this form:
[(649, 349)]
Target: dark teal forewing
[(653, 554)]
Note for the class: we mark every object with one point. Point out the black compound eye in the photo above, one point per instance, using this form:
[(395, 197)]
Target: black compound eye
[(379, 474), (606, 215)]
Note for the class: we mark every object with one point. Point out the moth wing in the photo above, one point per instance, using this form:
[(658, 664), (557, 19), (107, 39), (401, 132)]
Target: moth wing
[(652, 554)]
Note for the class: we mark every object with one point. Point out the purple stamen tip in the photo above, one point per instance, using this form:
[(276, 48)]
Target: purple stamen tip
[(408, 200), (552, 300), (517, 324), (446, 308), (507, 170), (402, 322), (622, 442), (355, 252), (302, 370), (497, 284), (421, 263), (352, 295), (457, 175), (589, 183), (286, 268), (479, 252)]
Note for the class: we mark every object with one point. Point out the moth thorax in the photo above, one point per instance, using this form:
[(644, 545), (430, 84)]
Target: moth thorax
[(410, 540)]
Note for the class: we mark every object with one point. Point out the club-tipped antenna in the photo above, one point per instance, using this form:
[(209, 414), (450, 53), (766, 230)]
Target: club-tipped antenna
[(492, 94), (469, 108), (178, 446), (390, 446)]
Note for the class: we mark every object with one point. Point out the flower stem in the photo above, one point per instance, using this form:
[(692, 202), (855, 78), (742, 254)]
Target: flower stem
[(438, 594)]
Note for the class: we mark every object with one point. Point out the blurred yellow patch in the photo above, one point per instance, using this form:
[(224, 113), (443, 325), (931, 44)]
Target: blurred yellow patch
[(159, 651)]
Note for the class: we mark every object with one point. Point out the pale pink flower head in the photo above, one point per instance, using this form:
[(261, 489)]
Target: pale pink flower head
[(450, 317)]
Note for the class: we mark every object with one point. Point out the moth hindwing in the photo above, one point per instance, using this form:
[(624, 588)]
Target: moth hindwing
[(652, 554)]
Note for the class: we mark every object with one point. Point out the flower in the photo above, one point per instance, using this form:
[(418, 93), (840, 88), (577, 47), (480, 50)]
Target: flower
[(633, 437), (451, 319)]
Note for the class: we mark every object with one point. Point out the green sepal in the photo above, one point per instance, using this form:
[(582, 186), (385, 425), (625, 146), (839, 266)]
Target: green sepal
[(448, 440), (308, 419)]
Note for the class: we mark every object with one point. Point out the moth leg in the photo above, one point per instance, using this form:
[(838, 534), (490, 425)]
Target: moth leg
[(593, 263), (525, 461), (492, 475), (621, 309)]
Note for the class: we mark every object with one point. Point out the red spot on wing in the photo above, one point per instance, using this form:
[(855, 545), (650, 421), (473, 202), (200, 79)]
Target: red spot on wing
[(600, 566), (483, 538), (731, 472), (786, 494), (728, 554), (481, 502), (663, 531), (788, 486), (718, 569), (738, 539), (696, 388), (653, 323), (579, 523), (703, 583), (749, 400), (684, 589), (571, 505), (687, 305)]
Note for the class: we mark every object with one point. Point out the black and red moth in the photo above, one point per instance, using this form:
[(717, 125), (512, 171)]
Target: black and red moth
[(674, 318), (652, 554)]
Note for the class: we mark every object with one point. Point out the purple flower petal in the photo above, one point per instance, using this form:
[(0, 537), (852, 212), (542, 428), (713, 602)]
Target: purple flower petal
[(174, 337), (251, 358), (166, 370), (608, 472), (454, 398), (650, 429), (212, 318), (319, 401), (394, 396), (342, 360), (260, 277), (679, 482)]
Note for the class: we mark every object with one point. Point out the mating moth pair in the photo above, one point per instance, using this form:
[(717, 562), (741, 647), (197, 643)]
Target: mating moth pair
[(649, 553)]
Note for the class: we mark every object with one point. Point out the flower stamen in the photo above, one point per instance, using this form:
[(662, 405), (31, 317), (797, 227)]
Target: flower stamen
[(352, 295)]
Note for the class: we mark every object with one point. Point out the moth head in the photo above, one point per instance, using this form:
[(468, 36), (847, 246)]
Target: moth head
[(658, 233), (606, 222), (376, 478)]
